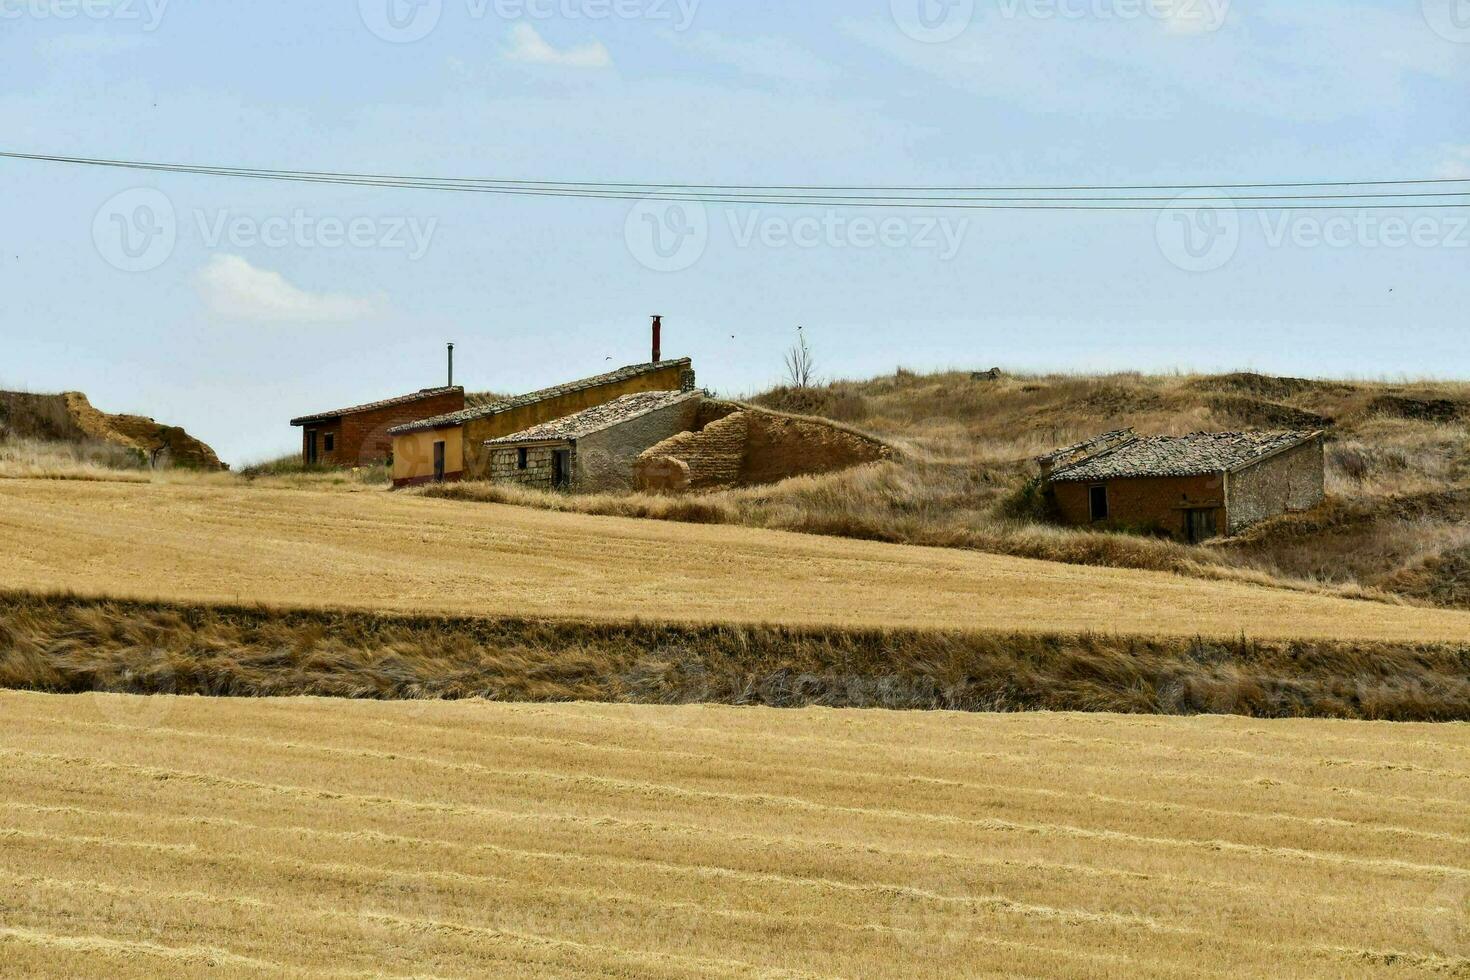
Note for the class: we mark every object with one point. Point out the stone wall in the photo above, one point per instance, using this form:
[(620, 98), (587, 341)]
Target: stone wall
[(504, 466), (605, 460), (1287, 482), (744, 446)]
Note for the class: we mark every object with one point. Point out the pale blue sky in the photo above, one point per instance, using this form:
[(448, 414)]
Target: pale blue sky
[(231, 336)]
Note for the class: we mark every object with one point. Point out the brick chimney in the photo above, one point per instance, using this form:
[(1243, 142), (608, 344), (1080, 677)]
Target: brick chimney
[(658, 332)]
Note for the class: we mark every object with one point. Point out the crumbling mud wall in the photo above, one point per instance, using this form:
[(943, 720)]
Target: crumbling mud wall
[(739, 445)]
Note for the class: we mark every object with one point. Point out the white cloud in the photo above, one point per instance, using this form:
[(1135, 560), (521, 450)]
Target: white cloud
[(90, 45), (1456, 166), (764, 57), (531, 48), (234, 288)]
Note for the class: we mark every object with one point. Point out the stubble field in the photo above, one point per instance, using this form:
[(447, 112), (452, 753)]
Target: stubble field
[(194, 836), (391, 553)]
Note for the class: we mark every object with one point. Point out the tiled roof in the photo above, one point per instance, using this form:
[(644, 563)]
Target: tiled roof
[(373, 406), (597, 418), (1196, 454), (519, 401)]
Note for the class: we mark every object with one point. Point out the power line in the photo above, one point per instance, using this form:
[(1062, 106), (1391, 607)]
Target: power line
[(910, 197)]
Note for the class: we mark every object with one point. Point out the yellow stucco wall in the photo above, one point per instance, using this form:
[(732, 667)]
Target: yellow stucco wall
[(477, 459), (413, 454)]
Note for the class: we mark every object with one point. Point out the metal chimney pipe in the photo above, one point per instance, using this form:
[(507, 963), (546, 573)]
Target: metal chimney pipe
[(658, 331), (451, 366)]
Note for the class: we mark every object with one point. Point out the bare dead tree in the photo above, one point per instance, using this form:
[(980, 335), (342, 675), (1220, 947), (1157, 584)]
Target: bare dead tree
[(800, 365)]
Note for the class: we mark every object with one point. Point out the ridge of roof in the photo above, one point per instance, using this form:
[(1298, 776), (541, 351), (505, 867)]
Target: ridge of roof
[(1196, 454), (530, 398), (422, 393), (624, 408)]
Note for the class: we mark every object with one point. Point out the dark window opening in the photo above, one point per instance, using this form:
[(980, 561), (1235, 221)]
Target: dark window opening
[(561, 469), (1098, 501), (329, 442), (1201, 525), (522, 458)]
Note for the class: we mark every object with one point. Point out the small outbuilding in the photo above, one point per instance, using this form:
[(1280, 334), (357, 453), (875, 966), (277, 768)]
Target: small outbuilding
[(592, 450), (1192, 487), (359, 436)]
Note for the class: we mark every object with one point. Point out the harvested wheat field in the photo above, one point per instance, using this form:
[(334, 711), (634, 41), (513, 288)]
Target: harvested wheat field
[(380, 551), (239, 837)]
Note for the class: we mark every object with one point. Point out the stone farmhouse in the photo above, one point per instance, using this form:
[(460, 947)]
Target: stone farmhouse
[(453, 446), (358, 436), (592, 450), (1192, 487)]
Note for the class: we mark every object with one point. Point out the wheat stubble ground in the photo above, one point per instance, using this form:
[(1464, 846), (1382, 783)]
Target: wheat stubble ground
[(238, 837), (385, 552)]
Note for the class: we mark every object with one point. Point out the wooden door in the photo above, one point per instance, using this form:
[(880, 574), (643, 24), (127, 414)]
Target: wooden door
[(1201, 524)]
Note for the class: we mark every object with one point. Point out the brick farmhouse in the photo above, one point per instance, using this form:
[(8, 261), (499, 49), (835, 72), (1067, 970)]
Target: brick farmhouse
[(1191, 487), (358, 436)]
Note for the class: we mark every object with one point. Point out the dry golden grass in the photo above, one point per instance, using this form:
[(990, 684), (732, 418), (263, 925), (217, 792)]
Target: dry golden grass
[(215, 543), (195, 837), (68, 645)]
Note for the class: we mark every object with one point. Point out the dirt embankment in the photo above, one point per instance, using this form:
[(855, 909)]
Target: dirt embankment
[(71, 418)]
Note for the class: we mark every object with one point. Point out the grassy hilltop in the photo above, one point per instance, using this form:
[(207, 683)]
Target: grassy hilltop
[(1397, 523)]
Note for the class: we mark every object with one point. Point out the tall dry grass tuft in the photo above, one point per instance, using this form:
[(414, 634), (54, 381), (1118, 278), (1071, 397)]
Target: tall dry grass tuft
[(66, 645), (35, 459)]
